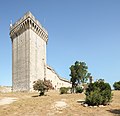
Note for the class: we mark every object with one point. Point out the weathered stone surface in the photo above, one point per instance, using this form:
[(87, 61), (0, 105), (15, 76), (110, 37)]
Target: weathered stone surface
[(95, 106), (85, 105), (91, 106), (29, 41), (56, 80), (102, 106)]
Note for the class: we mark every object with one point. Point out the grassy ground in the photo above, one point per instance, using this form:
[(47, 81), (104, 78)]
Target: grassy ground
[(29, 104)]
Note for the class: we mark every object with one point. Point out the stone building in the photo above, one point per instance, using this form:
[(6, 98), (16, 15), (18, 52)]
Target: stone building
[(29, 40)]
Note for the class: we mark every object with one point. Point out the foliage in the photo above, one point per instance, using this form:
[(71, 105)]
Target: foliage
[(41, 86), (79, 89), (48, 84), (64, 90), (98, 93), (101, 80), (91, 79), (116, 85), (79, 73)]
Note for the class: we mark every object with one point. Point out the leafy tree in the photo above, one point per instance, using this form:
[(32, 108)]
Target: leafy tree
[(116, 85), (79, 73), (101, 80), (91, 79)]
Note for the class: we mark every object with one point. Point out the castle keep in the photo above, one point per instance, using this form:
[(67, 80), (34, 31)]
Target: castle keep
[(29, 41)]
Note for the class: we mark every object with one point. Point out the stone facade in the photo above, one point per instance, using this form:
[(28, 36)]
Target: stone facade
[(29, 41), (56, 80)]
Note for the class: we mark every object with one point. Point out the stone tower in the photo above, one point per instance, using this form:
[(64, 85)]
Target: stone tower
[(29, 41)]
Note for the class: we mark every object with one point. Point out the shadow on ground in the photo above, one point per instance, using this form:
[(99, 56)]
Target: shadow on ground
[(39, 95), (35, 96), (114, 111)]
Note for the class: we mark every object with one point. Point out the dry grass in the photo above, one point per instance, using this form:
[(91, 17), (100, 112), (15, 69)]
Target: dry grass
[(29, 104)]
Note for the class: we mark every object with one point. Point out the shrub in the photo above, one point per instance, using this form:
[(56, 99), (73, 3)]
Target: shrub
[(64, 90), (42, 86), (79, 89), (116, 85), (98, 93), (48, 84), (39, 86)]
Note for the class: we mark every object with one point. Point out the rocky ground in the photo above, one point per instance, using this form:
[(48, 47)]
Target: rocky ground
[(53, 104)]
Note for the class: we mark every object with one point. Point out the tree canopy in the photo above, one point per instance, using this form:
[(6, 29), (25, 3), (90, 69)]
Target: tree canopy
[(79, 73), (116, 85)]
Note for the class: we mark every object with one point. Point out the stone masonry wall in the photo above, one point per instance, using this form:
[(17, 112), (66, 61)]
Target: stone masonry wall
[(37, 58), (55, 79), (20, 62), (29, 41)]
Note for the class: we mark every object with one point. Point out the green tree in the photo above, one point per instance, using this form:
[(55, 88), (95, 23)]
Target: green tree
[(101, 80), (79, 73), (116, 85)]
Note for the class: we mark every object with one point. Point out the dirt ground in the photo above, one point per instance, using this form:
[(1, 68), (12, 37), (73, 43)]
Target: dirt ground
[(54, 104)]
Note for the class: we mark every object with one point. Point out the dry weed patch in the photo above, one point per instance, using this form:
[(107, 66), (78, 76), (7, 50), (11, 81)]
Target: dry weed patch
[(29, 104)]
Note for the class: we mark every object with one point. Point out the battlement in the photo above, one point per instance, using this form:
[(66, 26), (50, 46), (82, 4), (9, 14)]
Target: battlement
[(28, 21)]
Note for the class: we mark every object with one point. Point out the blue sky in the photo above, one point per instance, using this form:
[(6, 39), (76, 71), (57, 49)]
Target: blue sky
[(83, 30)]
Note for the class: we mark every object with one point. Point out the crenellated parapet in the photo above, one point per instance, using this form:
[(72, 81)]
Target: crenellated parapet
[(28, 21)]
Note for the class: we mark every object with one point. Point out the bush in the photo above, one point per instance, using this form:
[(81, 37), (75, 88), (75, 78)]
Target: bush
[(48, 84), (64, 90), (42, 86), (79, 89), (116, 85), (98, 93), (39, 86)]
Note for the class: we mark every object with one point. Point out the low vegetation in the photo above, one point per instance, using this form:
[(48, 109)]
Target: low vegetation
[(98, 93), (116, 85), (64, 90), (79, 89), (42, 86)]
